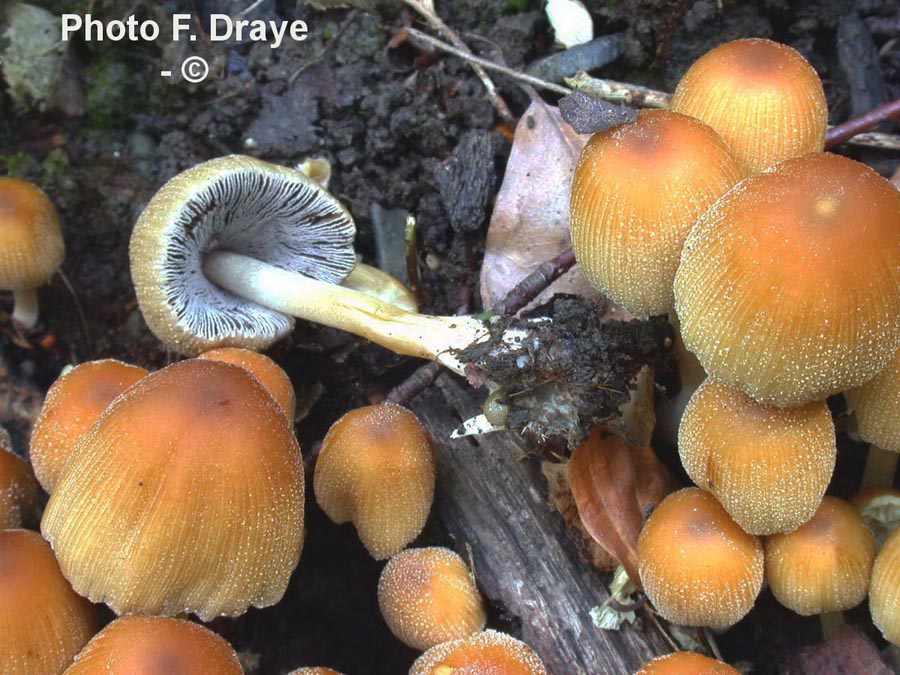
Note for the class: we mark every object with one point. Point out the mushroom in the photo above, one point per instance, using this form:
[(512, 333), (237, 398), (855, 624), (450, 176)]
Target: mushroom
[(884, 594), (638, 188), (377, 469), (823, 566), (185, 496), (428, 596), (762, 97), (880, 509), (697, 566), (229, 250), (31, 245), (43, 623), (155, 644), (19, 493), (485, 652), (264, 369), (788, 286), (686, 663), (875, 405), (768, 466), (314, 671), (74, 402)]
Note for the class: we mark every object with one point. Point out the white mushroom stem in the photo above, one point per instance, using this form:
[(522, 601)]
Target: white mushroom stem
[(426, 337), (881, 465), (25, 307), (691, 374)]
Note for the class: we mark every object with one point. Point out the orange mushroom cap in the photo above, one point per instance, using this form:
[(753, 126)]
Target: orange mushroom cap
[(377, 469), (264, 369), (762, 97), (637, 191), (43, 623), (74, 402), (697, 566), (185, 496), (768, 466), (155, 645), (31, 242), (686, 663), (787, 286), (428, 596), (884, 594), (825, 565), (19, 493), (875, 405), (485, 653)]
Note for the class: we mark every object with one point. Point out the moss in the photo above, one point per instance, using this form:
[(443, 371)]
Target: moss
[(110, 88), (19, 164)]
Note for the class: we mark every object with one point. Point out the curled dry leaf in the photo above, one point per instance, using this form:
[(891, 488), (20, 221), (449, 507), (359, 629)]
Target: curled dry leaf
[(615, 485), (530, 223)]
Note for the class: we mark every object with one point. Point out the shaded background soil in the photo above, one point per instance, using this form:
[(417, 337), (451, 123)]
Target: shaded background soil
[(392, 118)]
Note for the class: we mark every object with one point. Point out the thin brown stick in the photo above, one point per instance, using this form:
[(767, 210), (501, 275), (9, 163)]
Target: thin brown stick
[(857, 125), (535, 283), (425, 8)]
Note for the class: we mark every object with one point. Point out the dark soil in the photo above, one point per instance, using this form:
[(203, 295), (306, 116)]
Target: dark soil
[(397, 123)]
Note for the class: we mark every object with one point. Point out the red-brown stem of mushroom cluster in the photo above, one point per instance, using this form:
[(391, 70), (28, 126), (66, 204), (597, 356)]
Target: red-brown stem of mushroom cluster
[(426, 337)]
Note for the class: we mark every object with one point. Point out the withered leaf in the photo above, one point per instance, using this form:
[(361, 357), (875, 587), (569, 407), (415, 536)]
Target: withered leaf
[(615, 485)]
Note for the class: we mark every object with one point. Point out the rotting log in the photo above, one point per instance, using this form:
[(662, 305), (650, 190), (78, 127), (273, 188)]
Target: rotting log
[(492, 501)]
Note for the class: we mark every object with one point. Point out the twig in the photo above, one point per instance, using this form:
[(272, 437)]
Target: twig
[(531, 286), (619, 92), (87, 339), (856, 125), (713, 645), (425, 8)]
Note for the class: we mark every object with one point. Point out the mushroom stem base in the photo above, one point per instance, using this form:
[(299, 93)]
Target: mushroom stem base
[(25, 308), (428, 337), (881, 465)]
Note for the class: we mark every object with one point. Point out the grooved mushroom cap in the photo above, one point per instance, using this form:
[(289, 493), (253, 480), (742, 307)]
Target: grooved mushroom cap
[(876, 404), (697, 566), (43, 623), (31, 243), (884, 594), (762, 97), (377, 470), (19, 494), (314, 671), (155, 645), (485, 653), (686, 663), (637, 191), (185, 496), (768, 466), (264, 369), (825, 565), (428, 596), (789, 286), (247, 206), (74, 402)]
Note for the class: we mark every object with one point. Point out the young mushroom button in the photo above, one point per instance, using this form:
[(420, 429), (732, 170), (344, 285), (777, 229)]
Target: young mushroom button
[(227, 252)]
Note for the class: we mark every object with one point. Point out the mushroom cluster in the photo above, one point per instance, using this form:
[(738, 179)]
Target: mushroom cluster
[(779, 265)]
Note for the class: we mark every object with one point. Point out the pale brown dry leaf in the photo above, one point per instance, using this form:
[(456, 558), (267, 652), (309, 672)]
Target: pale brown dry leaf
[(615, 486), (530, 223)]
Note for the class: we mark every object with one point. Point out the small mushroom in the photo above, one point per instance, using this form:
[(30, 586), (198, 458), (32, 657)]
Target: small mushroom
[(155, 644), (825, 565), (485, 652), (264, 369), (227, 252), (762, 97), (768, 466), (638, 188), (697, 566), (74, 402), (686, 663), (43, 622), (880, 509), (884, 594), (788, 286), (314, 671), (19, 492), (185, 496), (377, 470), (428, 596), (31, 245)]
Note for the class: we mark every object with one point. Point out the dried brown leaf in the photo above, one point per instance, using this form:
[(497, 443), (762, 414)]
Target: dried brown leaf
[(615, 485)]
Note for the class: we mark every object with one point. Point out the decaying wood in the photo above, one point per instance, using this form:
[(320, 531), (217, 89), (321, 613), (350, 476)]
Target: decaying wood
[(493, 502)]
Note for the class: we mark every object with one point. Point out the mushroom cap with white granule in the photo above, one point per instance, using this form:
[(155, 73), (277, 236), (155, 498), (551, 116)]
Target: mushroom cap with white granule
[(247, 206)]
